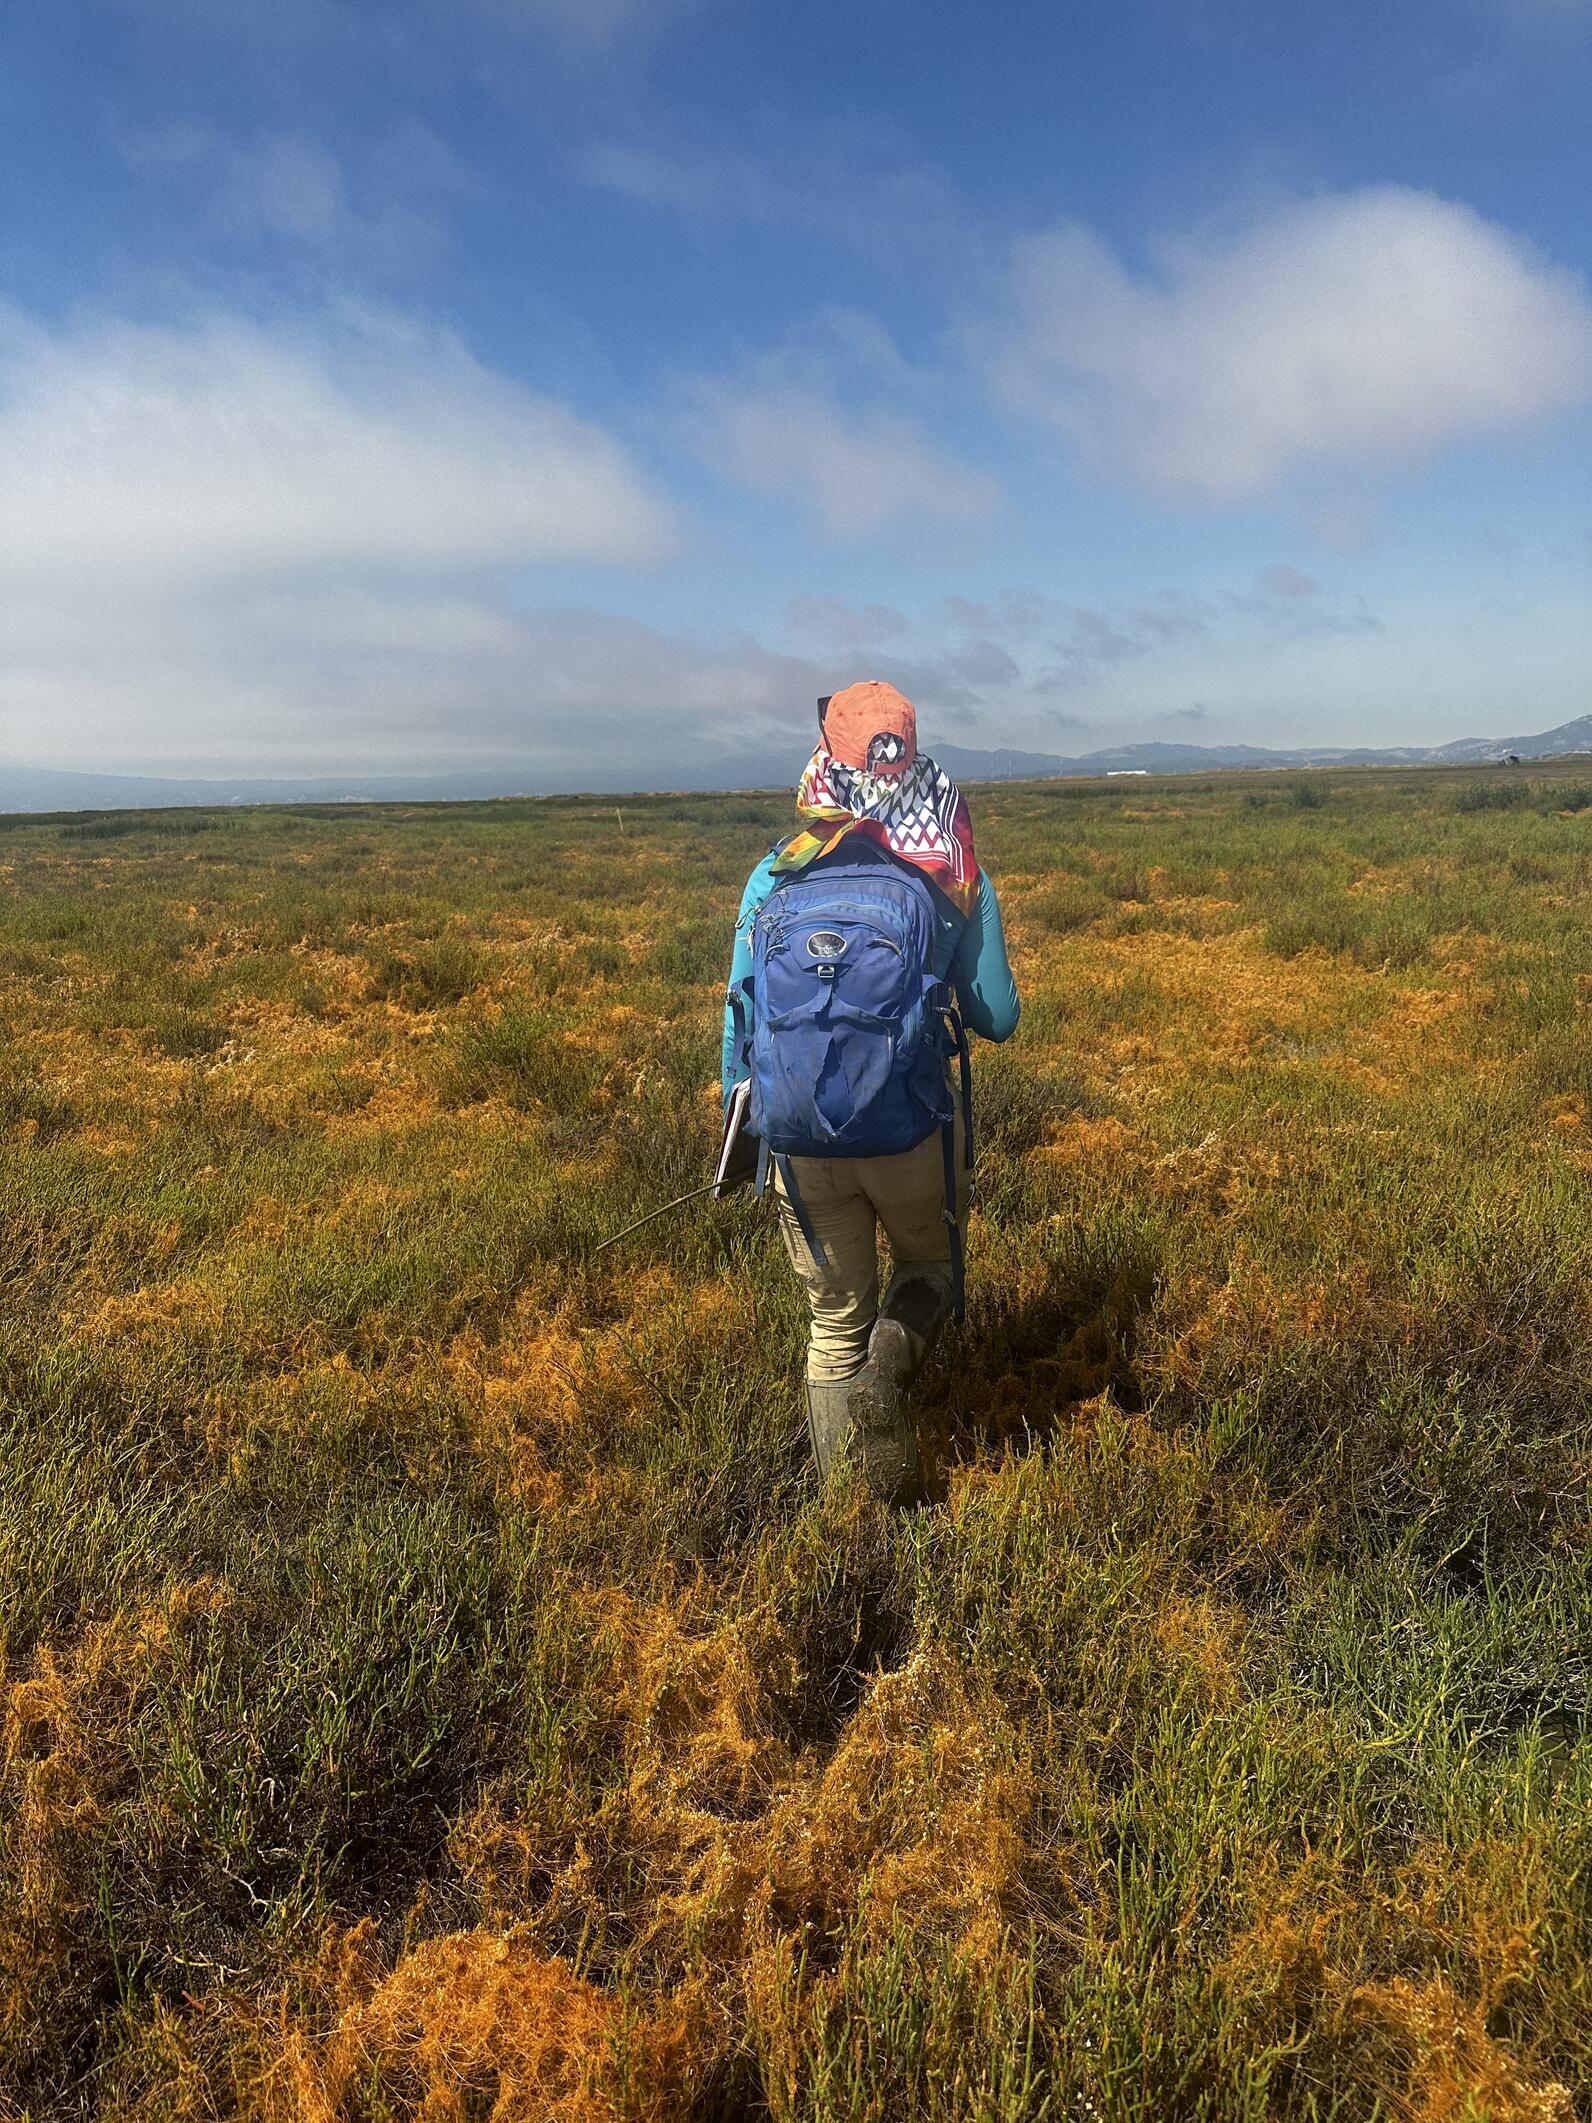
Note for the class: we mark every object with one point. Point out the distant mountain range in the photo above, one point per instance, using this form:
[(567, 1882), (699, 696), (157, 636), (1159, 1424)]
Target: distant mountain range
[(52, 789), (968, 765)]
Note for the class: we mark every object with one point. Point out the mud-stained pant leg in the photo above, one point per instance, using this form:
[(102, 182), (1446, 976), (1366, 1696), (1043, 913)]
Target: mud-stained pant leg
[(843, 1295), (908, 1193), (843, 1197)]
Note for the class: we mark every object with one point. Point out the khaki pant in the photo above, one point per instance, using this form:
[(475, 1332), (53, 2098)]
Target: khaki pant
[(846, 1200)]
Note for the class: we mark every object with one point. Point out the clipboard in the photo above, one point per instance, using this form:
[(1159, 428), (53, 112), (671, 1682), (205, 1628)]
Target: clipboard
[(737, 1165)]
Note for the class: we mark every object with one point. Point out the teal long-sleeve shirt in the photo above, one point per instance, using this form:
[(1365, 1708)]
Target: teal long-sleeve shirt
[(969, 951)]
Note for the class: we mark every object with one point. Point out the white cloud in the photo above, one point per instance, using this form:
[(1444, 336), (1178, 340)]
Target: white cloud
[(855, 468), (284, 21), (279, 184), (228, 448), (373, 209), (781, 426), (869, 194), (996, 658), (232, 539), (831, 627), (579, 22), (1372, 326), (1575, 14), (573, 24), (652, 177), (287, 184)]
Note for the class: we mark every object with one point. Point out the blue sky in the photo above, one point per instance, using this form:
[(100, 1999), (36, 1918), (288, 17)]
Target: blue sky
[(576, 386)]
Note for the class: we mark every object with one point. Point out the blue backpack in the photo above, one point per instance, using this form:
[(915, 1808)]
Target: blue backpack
[(846, 1030)]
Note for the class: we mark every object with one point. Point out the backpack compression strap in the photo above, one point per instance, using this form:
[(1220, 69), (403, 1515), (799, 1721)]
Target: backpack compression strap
[(793, 1194)]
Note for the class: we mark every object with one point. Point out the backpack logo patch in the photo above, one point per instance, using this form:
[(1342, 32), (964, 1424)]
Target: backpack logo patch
[(824, 943)]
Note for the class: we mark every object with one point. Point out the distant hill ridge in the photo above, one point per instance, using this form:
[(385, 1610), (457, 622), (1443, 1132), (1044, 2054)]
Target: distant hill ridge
[(24, 789), (1569, 737)]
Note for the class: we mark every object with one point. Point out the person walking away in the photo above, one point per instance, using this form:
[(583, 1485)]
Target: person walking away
[(868, 944)]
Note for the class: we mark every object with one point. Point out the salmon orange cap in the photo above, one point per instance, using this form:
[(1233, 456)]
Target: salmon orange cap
[(860, 722)]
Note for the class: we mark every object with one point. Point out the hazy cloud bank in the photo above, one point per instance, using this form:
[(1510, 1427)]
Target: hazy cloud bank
[(227, 536)]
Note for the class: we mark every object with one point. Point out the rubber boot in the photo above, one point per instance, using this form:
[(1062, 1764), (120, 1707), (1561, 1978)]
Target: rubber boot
[(829, 1420), (916, 1306), (861, 1419)]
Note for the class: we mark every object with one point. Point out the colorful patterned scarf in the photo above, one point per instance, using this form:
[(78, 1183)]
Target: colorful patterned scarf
[(919, 815)]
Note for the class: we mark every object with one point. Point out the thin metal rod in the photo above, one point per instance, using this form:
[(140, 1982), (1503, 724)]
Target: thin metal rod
[(695, 1195)]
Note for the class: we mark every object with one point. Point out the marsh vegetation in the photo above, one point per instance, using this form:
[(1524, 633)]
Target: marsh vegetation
[(433, 1685)]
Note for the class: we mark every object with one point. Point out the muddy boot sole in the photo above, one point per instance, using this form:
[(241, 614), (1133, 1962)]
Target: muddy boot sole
[(885, 1443), (916, 1307), (896, 1353)]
